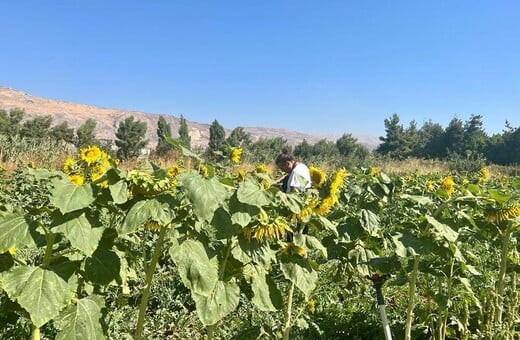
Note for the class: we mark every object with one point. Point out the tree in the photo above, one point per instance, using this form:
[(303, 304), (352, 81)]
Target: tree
[(475, 138), (184, 134), (62, 132), (217, 137), (38, 127), (10, 122), (430, 140), (325, 150), (239, 138), (265, 150), (163, 131), (453, 138), (347, 145), (303, 150), (394, 139), (130, 138), (85, 134)]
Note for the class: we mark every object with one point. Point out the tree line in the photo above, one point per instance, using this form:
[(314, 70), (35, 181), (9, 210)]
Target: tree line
[(431, 141)]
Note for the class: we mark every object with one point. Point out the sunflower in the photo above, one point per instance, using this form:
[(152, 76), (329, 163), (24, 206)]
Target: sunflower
[(334, 189), (11, 250), (374, 171), (173, 171), (317, 176), (499, 215), (70, 166), (429, 186), (204, 171), (241, 175), (77, 179), (483, 175), (261, 169), (274, 230), (448, 185), (292, 249), (235, 155), (90, 154)]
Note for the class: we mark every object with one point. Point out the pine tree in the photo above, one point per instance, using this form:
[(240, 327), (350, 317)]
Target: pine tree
[(37, 127), (217, 137), (62, 132), (239, 138), (85, 134), (163, 131), (184, 135), (130, 138)]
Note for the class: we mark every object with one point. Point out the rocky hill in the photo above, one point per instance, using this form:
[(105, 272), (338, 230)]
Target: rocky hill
[(108, 120)]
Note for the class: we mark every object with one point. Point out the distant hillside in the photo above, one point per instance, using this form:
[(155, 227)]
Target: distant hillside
[(108, 120)]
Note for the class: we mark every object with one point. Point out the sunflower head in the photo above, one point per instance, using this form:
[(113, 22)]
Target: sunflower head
[(77, 179), (90, 154), (317, 176), (235, 155), (448, 185)]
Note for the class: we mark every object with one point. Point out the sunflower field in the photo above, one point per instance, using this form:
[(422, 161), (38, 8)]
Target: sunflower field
[(217, 251)]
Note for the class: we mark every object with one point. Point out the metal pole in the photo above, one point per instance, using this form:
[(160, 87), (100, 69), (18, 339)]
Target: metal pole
[(378, 285)]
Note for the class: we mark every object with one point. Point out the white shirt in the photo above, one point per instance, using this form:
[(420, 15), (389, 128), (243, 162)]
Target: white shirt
[(299, 178)]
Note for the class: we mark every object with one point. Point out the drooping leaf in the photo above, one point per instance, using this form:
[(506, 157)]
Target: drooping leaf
[(15, 231), (205, 194), (81, 321), (221, 301), (223, 224), (197, 271), (155, 209), (370, 222), (300, 272), (103, 267), (422, 200), (68, 197), (42, 293), (267, 296), (442, 230)]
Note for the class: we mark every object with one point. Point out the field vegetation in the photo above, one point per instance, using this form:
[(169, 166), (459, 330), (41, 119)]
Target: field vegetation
[(102, 243)]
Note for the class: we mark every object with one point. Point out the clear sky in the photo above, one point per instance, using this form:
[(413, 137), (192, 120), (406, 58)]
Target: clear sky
[(309, 66)]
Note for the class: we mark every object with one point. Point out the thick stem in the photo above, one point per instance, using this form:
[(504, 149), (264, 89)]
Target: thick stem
[(149, 277), (50, 237), (502, 275), (288, 311), (411, 298), (35, 334)]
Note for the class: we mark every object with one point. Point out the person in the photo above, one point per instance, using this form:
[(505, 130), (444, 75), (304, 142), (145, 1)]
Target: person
[(297, 176)]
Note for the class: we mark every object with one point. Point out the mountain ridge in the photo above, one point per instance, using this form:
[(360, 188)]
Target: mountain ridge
[(108, 119)]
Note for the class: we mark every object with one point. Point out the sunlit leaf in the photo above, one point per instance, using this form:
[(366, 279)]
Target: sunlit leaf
[(221, 301), (68, 197), (205, 194), (15, 232), (81, 321), (42, 293)]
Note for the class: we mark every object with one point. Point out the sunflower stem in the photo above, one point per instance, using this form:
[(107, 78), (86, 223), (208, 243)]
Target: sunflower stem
[(288, 311), (502, 274), (411, 298)]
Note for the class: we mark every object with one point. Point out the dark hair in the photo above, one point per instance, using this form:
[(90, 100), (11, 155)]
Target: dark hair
[(284, 156)]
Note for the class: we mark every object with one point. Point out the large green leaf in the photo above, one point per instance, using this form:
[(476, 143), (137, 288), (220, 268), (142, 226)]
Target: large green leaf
[(157, 209), (42, 293), (81, 234), (223, 224), (220, 302), (197, 271), (68, 197), (267, 296), (205, 194), (82, 321), (119, 192), (103, 267), (442, 230), (252, 193), (300, 272), (15, 231), (370, 222)]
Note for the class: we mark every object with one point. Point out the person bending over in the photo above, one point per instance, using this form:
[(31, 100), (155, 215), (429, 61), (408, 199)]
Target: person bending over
[(297, 176)]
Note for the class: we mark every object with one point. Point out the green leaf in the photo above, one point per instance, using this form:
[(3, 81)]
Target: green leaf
[(156, 209), (68, 197), (82, 321), (42, 293), (240, 218), (300, 272), (197, 271), (15, 231), (103, 267), (267, 296), (370, 222), (223, 224), (205, 194), (250, 192), (221, 301), (442, 230), (422, 200), (81, 233), (178, 146), (119, 192), (499, 196)]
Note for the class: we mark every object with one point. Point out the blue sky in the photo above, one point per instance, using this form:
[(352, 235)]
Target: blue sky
[(325, 67)]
